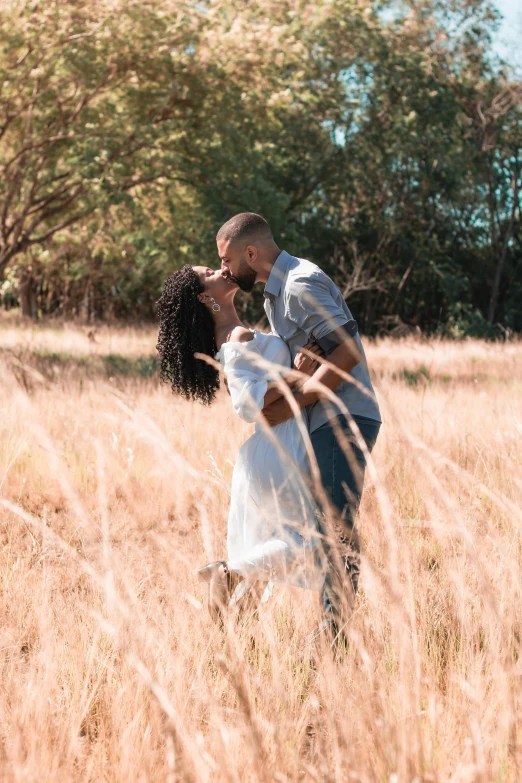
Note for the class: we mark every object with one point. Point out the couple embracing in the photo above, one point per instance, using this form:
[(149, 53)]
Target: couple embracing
[(298, 480)]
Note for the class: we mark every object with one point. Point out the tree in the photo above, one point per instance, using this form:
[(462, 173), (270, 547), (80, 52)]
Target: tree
[(95, 99), (385, 147)]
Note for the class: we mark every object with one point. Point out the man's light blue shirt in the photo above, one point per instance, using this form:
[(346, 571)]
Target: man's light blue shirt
[(303, 304)]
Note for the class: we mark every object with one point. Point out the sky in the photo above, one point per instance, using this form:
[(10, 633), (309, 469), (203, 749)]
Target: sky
[(509, 37)]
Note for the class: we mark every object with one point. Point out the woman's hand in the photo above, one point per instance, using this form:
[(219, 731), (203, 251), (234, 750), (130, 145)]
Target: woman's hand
[(304, 360)]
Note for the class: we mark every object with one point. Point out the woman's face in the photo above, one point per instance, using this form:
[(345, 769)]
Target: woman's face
[(215, 284)]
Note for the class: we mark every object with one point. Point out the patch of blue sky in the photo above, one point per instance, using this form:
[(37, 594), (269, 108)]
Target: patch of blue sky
[(506, 43), (508, 38), (356, 85)]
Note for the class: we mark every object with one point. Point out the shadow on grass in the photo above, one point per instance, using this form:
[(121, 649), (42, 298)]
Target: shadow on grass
[(56, 366), (53, 366)]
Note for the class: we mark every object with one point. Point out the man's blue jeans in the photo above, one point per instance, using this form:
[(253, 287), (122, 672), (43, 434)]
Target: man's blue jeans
[(342, 467)]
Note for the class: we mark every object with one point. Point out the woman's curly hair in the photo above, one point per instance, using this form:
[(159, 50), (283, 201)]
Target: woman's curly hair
[(186, 328)]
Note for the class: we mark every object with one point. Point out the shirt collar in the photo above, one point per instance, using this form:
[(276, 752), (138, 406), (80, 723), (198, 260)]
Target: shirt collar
[(277, 275)]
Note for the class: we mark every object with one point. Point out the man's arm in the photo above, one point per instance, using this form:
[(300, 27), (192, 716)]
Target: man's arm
[(311, 306), (345, 356)]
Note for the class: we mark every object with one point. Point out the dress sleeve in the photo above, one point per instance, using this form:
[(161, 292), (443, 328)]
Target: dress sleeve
[(247, 380)]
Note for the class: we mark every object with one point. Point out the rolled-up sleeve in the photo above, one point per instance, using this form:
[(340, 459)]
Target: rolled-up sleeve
[(311, 306)]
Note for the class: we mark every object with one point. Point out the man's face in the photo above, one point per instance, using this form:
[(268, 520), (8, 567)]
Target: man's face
[(235, 264)]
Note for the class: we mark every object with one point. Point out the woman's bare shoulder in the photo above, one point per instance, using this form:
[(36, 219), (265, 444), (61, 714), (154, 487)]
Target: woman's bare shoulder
[(240, 335)]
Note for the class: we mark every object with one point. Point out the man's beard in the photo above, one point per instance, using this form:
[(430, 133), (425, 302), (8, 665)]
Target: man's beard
[(246, 277)]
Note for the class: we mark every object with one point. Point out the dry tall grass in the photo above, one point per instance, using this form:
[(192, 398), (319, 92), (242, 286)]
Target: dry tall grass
[(113, 492)]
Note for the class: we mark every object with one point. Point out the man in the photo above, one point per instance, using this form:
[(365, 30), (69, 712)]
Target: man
[(304, 306)]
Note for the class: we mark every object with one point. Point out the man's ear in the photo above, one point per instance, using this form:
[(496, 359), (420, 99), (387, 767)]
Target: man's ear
[(252, 254)]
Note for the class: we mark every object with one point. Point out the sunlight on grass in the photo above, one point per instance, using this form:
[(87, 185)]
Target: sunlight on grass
[(113, 492)]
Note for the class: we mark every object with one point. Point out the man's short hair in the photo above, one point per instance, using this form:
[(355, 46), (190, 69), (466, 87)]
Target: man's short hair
[(246, 225)]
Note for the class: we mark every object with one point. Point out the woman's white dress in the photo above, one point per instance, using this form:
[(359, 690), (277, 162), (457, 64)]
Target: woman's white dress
[(272, 525)]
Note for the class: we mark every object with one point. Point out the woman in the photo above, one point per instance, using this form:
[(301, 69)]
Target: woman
[(272, 525)]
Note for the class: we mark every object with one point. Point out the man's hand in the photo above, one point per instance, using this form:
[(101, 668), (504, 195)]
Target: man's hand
[(344, 357), (304, 359)]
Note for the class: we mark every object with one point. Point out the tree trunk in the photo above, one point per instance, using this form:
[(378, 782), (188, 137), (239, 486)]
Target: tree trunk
[(493, 300), (27, 292), (495, 289), (86, 309)]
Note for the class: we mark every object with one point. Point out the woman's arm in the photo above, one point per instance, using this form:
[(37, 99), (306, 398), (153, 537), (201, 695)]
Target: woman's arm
[(304, 363), (243, 335), (274, 390), (248, 384), (248, 379)]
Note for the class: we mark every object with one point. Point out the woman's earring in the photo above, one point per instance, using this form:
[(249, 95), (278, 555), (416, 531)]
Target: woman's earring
[(215, 307)]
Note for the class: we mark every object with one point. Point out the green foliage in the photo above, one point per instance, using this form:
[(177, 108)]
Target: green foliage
[(142, 366), (53, 364), (413, 377), (384, 146), (465, 321)]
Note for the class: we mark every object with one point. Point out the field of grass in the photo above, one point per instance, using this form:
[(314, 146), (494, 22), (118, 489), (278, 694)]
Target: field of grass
[(113, 491)]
